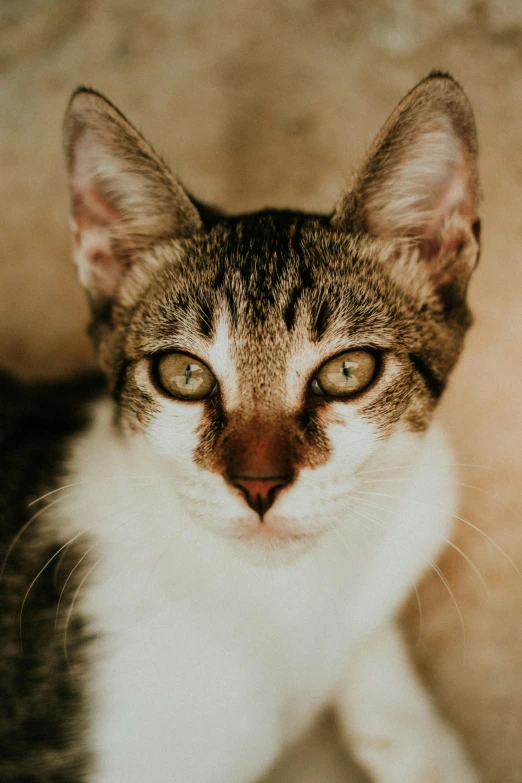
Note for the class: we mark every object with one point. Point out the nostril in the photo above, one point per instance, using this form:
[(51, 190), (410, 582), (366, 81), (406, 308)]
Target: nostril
[(259, 491)]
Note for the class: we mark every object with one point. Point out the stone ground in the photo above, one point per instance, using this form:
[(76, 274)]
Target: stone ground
[(272, 103)]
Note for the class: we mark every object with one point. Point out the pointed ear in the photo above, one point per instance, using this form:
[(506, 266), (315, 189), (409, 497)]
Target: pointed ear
[(420, 180), (124, 198)]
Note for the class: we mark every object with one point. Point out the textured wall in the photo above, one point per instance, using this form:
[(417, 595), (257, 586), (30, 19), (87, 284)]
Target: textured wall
[(272, 103)]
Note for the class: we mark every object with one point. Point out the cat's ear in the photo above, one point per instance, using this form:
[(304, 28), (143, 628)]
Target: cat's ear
[(124, 198), (420, 180)]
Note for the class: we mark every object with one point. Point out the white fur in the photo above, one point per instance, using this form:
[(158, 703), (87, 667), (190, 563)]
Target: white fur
[(384, 714), (220, 359), (220, 640)]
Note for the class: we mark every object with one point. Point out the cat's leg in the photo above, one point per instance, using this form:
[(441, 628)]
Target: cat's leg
[(195, 711), (389, 722)]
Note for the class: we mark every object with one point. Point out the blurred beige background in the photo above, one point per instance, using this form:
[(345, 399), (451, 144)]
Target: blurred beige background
[(272, 103)]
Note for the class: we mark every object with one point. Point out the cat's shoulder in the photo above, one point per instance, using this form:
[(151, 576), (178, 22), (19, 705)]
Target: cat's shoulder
[(36, 420), (47, 404)]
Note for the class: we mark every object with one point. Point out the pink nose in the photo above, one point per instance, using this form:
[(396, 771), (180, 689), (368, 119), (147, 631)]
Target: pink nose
[(259, 491)]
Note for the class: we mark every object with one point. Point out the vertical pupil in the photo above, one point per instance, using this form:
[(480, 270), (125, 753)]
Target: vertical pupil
[(345, 370), (188, 374)]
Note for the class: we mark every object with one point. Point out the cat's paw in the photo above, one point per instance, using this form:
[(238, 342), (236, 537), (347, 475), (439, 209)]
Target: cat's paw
[(417, 757), (448, 762), (390, 723)]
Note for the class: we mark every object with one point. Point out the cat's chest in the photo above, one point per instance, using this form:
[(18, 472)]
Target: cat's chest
[(288, 621), (169, 605), (166, 618)]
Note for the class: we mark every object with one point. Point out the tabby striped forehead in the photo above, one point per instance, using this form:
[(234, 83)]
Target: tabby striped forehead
[(265, 299)]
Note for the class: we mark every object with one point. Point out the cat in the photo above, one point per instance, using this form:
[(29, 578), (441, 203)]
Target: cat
[(201, 556)]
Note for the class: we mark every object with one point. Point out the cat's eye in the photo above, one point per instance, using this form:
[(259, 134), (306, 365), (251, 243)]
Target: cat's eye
[(185, 377), (346, 374)]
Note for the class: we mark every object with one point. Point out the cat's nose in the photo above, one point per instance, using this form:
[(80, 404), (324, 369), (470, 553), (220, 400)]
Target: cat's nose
[(260, 491)]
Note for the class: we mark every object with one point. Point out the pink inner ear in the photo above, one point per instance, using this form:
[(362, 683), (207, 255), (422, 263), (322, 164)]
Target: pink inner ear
[(455, 199), (428, 183), (91, 209), (106, 272), (100, 270)]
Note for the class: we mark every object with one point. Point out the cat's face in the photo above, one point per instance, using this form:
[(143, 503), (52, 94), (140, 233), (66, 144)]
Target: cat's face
[(268, 359)]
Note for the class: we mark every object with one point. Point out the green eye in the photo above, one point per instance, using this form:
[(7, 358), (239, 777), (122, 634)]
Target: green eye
[(185, 377), (346, 375)]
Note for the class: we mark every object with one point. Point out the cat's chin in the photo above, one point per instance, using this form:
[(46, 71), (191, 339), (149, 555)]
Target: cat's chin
[(265, 544)]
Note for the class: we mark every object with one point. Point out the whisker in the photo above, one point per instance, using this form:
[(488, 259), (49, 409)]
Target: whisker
[(378, 494), (473, 465), (369, 517), (433, 565), (469, 561), (82, 558), (491, 540), (446, 585), (437, 571), (152, 479), (360, 525), (54, 491), (57, 567), (24, 528), (455, 516), (371, 528), (486, 492), (394, 478), (96, 543), (496, 498), (40, 572), (416, 465), (136, 513), (71, 607), (383, 470), (421, 620), (42, 511), (375, 505), (345, 543), (420, 615)]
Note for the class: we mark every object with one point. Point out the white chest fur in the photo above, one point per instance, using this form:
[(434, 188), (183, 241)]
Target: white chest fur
[(206, 664)]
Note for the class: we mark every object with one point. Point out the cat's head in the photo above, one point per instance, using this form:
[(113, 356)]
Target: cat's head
[(267, 359)]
